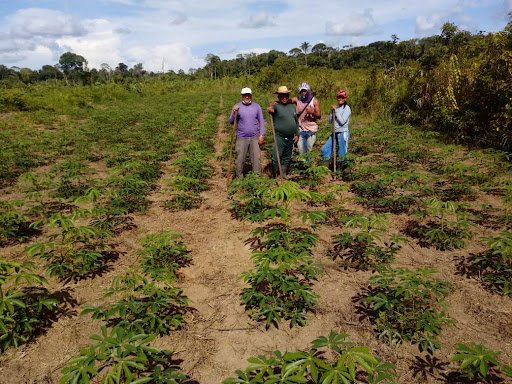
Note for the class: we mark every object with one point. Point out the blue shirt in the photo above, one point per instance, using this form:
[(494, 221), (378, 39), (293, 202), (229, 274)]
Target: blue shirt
[(342, 113), (250, 120)]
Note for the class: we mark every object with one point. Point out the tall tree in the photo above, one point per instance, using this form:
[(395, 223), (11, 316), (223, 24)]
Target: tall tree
[(212, 64), (72, 65), (305, 48)]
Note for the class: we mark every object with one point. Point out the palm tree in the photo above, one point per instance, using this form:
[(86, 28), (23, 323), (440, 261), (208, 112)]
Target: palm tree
[(305, 48)]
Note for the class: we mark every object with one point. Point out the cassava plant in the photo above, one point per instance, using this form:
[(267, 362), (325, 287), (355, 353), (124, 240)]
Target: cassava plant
[(74, 251), (360, 250), (477, 362), (122, 356), (446, 226), (280, 286), (331, 359), (26, 308), (494, 266), (183, 201), (247, 197), (407, 305), (145, 307), (15, 226), (162, 254)]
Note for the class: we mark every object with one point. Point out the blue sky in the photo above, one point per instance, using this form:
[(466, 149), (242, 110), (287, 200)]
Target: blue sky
[(178, 34)]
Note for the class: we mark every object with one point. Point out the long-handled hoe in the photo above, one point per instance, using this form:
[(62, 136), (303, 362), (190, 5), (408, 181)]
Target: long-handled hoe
[(232, 136), (334, 145), (277, 149)]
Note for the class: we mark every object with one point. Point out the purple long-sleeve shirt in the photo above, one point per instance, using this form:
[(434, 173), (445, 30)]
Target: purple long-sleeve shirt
[(250, 120)]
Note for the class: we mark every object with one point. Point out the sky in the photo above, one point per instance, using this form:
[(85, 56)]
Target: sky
[(177, 35)]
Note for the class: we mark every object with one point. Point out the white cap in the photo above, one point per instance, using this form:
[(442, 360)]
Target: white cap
[(246, 90)]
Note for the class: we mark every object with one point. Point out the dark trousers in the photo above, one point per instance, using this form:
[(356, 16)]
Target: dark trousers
[(285, 148)]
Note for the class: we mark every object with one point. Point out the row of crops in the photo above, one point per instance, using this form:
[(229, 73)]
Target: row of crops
[(71, 207), (393, 172), (75, 182)]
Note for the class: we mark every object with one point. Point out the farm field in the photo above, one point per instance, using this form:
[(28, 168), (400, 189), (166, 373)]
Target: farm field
[(117, 213)]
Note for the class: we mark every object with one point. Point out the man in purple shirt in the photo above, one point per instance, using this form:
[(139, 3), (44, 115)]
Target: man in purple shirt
[(250, 131)]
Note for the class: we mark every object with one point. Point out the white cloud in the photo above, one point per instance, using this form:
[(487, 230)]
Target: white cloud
[(172, 56), (180, 31), (123, 30), (258, 20), (179, 19), (27, 23), (99, 46), (352, 24), (428, 24)]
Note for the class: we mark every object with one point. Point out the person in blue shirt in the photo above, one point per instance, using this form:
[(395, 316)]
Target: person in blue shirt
[(341, 114), (250, 131)]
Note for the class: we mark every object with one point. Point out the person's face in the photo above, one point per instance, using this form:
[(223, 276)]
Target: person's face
[(341, 100), (283, 97), (246, 97), (303, 92)]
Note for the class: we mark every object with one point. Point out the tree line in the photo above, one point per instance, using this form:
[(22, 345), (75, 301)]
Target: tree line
[(455, 82)]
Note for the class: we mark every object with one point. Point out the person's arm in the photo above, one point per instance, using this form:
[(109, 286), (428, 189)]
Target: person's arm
[(343, 115), (270, 108), (297, 127), (333, 113), (261, 120), (317, 114), (235, 108)]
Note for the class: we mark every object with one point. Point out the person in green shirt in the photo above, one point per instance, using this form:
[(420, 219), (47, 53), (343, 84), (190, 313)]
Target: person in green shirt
[(286, 127)]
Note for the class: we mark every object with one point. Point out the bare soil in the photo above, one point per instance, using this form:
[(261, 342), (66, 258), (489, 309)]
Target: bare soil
[(219, 336)]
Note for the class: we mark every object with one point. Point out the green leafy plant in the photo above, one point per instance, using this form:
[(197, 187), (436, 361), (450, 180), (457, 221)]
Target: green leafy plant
[(493, 266), (407, 306), (331, 359), (128, 194), (447, 229), (145, 307), (188, 184), (183, 202), (122, 356), (162, 254), (15, 227), (71, 177), (309, 173), (478, 362), (75, 251), (280, 286), (25, 310), (360, 250), (247, 198)]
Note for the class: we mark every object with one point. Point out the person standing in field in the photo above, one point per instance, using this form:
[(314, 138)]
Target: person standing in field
[(286, 129), (308, 112), (341, 115), (250, 131)]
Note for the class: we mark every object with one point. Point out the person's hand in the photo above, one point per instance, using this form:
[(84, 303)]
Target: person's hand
[(333, 108), (236, 108), (261, 140), (270, 108), (295, 139)]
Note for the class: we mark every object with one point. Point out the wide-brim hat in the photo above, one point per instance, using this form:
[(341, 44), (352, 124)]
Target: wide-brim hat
[(282, 89)]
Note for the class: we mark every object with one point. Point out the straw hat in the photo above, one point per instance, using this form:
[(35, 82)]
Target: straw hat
[(282, 89)]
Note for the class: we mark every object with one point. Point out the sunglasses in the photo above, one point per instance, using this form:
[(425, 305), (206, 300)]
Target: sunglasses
[(246, 95)]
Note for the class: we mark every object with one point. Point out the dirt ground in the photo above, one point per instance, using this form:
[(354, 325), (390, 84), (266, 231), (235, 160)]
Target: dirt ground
[(219, 336)]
